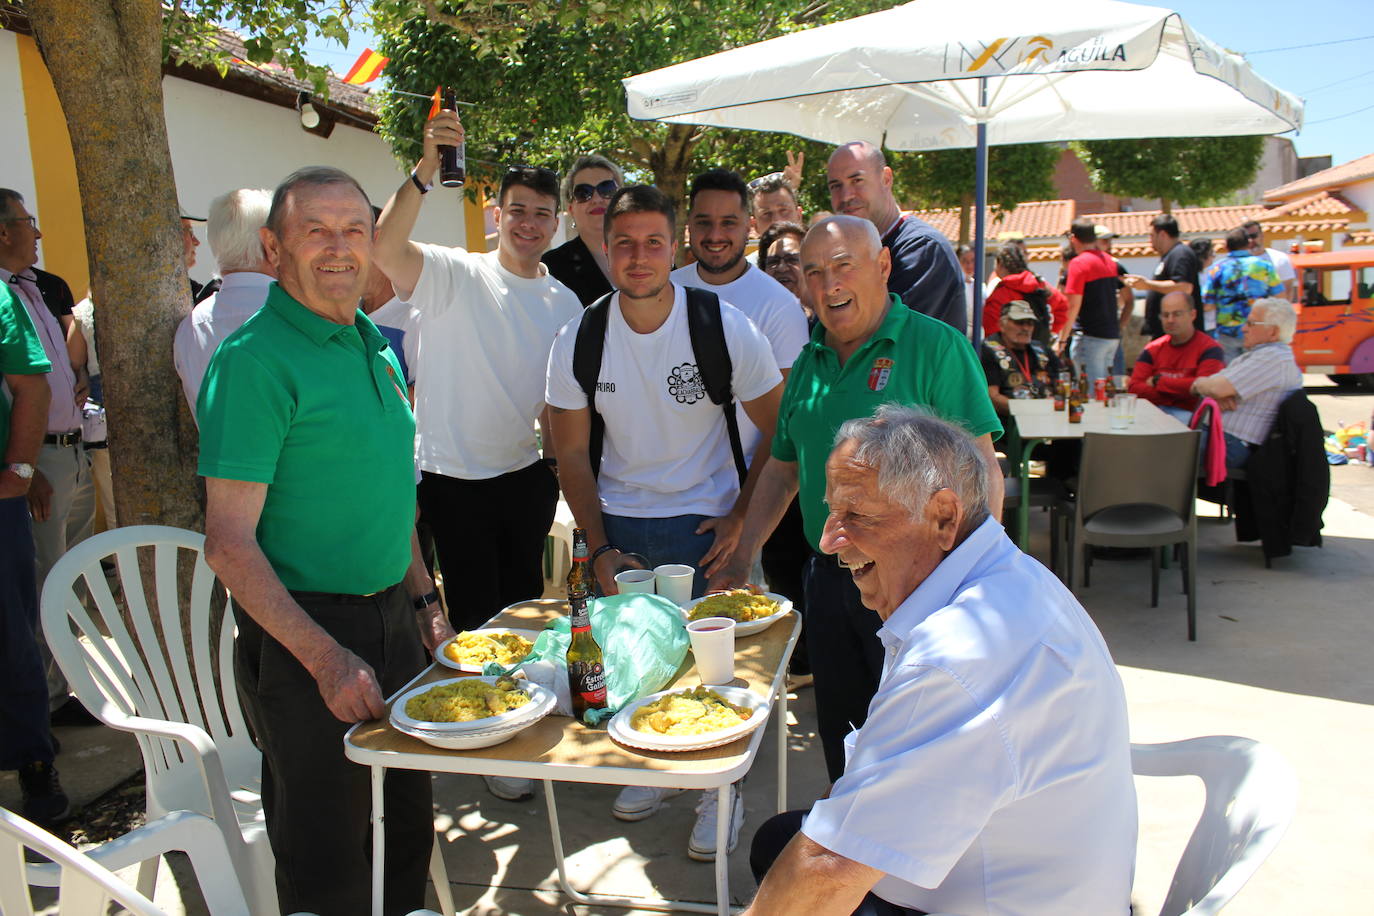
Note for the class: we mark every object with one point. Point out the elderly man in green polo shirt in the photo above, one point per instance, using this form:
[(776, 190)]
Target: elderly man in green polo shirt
[(307, 447), (869, 349)]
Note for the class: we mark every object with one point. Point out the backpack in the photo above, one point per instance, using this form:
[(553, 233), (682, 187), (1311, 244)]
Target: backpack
[(707, 332)]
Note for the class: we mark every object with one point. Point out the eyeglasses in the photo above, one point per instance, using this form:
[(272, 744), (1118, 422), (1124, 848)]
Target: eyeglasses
[(32, 221), (783, 260), (531, 171), (1252, 236), (772, 178), (605, 189)]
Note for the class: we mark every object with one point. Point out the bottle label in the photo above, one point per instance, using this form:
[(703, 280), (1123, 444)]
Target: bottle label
[(588, 681), (579, 613)]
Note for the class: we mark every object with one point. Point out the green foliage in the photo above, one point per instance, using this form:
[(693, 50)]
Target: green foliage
[(1185, 170), (549, 90), (945, 178)]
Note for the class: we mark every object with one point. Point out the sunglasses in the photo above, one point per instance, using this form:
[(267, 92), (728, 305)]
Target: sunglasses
[(781, 260), (606, 189), (1252, 236), (766, 179)]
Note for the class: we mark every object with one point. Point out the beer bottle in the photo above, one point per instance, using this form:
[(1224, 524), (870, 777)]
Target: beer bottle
[(586, 670), (1061, 391), (1077, 395), (453, 160)]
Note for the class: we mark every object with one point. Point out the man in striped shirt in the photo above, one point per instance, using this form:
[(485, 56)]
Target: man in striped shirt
[(1253, 386)]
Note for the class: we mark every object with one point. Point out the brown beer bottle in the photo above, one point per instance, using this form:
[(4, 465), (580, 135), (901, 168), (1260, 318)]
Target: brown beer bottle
[(453, 160), (586, 669), (1076, 398)]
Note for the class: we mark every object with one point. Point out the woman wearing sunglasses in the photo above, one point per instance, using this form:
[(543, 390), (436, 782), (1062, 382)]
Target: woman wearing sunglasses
[(580, 263)]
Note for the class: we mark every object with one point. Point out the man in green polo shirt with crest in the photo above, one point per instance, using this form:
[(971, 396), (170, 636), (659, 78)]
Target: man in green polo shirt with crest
[(307, 447), (868, 350)]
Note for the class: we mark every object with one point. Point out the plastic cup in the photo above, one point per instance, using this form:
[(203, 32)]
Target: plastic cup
[(1122, 411), (674, 582), (713, 646), (635, 580)]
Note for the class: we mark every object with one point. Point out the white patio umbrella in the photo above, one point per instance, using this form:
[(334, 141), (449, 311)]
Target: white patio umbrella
[(941, 74)]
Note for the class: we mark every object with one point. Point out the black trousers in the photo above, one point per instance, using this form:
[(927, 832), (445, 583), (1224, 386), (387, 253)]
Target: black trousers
[(489, 537), (774, 836), (318, 803), (846, 656), (25, 736), (784, 557)]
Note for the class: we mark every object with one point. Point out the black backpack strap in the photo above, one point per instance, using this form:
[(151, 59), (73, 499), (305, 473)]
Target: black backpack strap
[(588, 348), (707, 330)]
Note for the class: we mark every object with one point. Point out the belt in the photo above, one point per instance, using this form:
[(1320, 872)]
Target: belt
[(65, 440), (103, 443), (340, 598)]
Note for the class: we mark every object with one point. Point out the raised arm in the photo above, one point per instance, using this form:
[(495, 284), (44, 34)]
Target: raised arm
[(398, 257)]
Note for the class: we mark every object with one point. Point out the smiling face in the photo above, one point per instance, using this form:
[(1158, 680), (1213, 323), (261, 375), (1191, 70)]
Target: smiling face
[(784, 262), (717, 230), (640, 251), (887, 551), (324, 252), (846, 281), (525, 222), (588, 215), (775, 207), (860, 186)]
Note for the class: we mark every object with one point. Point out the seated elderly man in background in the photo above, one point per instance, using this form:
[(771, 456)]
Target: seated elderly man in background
[(993, 774), (1253, 386), (1015, 363), (1166, 369)]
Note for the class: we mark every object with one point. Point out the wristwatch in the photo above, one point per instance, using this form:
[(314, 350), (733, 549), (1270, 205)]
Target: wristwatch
[(22, 470)]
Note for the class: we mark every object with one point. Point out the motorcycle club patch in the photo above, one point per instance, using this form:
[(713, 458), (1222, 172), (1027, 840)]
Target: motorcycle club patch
[(879, 374)]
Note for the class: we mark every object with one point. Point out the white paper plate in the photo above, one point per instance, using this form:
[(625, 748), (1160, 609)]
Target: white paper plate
[(619, 727), (753, 626), (541, 701), (447, 662)]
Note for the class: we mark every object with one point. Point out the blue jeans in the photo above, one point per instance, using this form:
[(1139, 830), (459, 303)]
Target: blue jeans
[(1237, 451), (663, 540), (1094, 355), (1181, 414)]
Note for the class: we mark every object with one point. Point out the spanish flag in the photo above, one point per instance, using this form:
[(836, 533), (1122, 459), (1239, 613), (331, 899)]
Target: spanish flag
[(366, 68)]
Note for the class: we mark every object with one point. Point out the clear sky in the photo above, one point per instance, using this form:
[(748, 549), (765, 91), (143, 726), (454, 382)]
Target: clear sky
[(1335, 80)]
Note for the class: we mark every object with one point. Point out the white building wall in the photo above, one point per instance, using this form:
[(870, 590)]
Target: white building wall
[(16, 165)]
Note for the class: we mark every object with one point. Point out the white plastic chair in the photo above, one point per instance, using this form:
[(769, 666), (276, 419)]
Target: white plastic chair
[(184, 711), (86, 880), (1252, 793)]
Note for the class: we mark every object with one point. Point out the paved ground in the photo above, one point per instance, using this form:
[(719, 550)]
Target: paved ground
[(1281, 656)]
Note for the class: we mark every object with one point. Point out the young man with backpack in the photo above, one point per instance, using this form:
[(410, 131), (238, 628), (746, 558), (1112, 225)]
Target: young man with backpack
[(650, 460)]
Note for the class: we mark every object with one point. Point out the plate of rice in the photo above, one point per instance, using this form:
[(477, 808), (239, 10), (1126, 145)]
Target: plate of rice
[(690, 719), (752, 611), (471, 704), (471, 650)]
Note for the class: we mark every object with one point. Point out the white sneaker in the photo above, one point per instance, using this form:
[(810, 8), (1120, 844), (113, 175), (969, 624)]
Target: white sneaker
[(635, 803), (702, 845), (510, 789)]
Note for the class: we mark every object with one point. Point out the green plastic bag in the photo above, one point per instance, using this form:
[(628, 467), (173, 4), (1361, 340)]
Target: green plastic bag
[(643, 640)]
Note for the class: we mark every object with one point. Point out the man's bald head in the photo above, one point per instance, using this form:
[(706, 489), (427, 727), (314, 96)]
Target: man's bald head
[(860, 236), (860, 184), (1176, 316), (844, 271)]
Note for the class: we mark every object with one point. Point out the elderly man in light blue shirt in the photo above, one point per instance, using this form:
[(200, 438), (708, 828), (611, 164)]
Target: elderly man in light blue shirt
[(993, 775)]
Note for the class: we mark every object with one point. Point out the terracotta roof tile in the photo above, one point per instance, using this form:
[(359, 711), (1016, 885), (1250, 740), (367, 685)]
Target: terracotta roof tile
[(353, 99), (1346, 173), (1322, 203), (1190, 219), (1036, 219), (1362, 237)]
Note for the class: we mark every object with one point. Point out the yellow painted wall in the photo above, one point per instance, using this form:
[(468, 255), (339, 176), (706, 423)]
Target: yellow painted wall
[(58, 206)]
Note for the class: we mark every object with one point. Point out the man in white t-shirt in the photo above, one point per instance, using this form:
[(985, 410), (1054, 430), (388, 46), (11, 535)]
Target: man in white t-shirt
[(488, 320), (668, 487), (1288, 275)]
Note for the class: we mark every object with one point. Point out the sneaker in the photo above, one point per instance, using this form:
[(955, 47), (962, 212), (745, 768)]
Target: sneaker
[(635, 803), (44, 801), (514, 790), (702, 846)]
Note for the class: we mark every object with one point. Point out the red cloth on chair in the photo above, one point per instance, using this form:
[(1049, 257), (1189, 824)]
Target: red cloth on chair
[(1215, 455)]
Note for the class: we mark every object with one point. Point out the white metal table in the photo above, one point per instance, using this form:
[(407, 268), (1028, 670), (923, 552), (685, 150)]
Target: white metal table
[(558, 748)]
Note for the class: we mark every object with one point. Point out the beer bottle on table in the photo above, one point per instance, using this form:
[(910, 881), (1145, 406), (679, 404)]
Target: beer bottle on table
[(1077, 395), (453, 160), (586, 669)]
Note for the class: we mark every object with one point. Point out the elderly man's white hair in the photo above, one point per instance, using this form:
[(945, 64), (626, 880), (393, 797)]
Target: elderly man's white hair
[(232, 228), (915, 454), (1281, 314)]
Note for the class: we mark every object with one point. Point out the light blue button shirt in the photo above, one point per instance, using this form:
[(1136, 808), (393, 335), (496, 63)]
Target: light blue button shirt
[(993, 775)]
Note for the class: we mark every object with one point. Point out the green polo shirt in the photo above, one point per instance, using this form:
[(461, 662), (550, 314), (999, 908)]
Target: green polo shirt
[(911, 359), (318, 412), (21, 353)]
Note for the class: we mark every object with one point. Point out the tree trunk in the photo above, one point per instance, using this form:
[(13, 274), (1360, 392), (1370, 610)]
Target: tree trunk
[(671, 165), (105, 59), (1166, 205)]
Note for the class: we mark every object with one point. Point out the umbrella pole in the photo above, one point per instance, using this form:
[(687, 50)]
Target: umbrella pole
[(980, 206)]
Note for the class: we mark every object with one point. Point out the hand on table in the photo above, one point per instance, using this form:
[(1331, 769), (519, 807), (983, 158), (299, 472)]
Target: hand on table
[(605, 569), (349, 686)]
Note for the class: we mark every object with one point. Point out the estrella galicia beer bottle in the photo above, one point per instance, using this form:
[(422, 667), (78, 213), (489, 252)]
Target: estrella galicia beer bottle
[(586, 669), (453, 160)]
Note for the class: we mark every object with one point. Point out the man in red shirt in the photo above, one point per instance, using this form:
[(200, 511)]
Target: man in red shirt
[(1093, 316), (1165, 370)]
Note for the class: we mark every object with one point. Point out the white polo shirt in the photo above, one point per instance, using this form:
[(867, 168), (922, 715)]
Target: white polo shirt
[(666, 451), (774, 311), (993, 775), (479, 378)]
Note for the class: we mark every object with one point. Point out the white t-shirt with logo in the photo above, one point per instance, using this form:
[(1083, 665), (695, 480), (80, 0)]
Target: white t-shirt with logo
[(665, 451), (774, 311), (478, 381)]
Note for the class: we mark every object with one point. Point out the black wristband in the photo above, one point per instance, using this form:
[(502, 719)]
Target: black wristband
[(424, 188), (423, 602), (551, 462), (600, 550)]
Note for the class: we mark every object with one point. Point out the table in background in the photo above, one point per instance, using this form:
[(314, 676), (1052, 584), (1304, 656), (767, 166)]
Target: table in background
[(1038, 421), (557, 748)]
